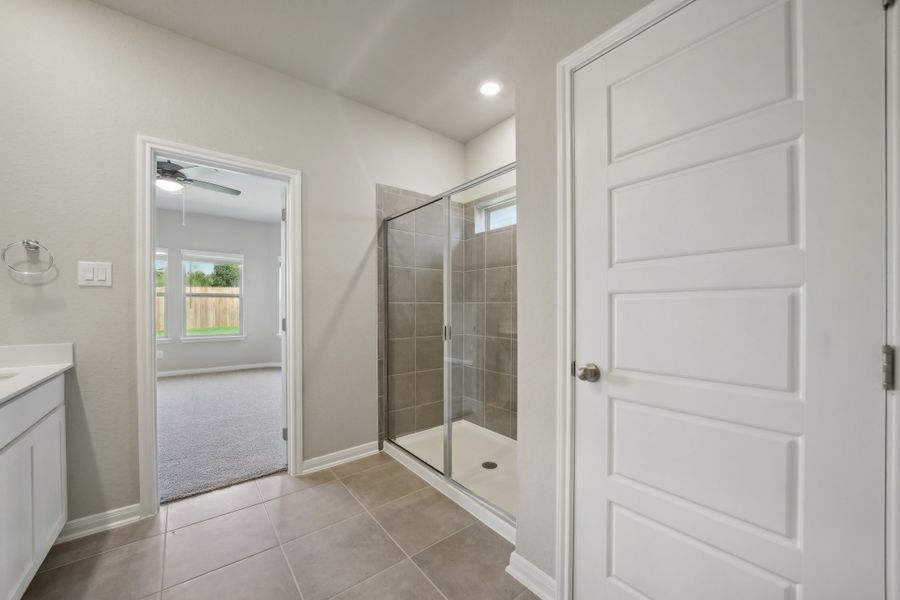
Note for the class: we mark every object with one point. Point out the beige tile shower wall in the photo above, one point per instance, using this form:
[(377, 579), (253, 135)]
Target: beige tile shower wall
[(414, 311), (484, 316), (489, 340)]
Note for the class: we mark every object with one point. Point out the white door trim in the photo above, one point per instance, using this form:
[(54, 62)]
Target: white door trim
[(565, 71), (892, 518), (145, 217)]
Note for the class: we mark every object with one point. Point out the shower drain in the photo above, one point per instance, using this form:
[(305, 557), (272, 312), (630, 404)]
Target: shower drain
[(489, 465)]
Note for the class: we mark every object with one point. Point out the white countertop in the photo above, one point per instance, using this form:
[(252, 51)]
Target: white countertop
[(23, 367)]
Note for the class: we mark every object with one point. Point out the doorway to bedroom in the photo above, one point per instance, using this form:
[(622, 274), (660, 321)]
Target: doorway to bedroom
[(219, 324)]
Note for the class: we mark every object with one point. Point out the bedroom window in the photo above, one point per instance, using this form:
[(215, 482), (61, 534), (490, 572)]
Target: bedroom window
[(161, 275), (213, 294)]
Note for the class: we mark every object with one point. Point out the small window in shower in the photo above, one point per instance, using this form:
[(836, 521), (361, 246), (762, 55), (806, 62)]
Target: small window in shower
[(496, 214)]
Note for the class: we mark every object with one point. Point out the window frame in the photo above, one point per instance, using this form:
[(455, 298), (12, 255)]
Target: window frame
[(483, 210), (165, 295), (211, 257)]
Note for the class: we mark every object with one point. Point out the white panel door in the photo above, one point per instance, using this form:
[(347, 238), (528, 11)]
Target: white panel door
[(729, 281)]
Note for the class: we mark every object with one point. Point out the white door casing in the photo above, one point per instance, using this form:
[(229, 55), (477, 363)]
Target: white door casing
[(727, 181), (145, 247)]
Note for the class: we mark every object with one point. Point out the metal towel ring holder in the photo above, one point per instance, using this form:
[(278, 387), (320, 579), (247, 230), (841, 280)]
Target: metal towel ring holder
[(30, 246)]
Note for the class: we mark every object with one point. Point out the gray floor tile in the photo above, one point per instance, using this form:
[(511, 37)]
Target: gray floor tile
[(351, 468), (212, 504), (382, 484), (419, 520), (470, 565), (127, 572), (90, 545), (401, 582), (331, 560), (308, 510), (211, 544), (264, 576), (281, 484), (341, 549)]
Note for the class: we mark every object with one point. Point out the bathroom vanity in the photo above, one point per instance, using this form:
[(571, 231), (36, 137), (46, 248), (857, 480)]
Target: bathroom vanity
[(32, 459)]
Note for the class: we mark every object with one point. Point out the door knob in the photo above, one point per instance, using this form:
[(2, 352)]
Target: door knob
[(589, 372)]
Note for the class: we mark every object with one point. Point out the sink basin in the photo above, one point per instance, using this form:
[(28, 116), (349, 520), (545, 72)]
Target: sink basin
[(7, 375)]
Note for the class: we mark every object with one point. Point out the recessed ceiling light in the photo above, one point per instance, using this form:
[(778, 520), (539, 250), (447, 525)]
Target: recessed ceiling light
[(169, 185), (490, 88)]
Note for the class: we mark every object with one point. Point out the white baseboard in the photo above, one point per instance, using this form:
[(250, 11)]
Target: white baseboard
[(224, 369), (334, 459), (539, 583), (467, 502), (83, 526)]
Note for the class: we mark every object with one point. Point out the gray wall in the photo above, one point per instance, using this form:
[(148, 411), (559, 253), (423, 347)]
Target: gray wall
[(86, 80), (546, 32), (260, 243)]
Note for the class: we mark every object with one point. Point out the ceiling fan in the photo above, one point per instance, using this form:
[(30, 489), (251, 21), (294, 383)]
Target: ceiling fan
[(171, 178)]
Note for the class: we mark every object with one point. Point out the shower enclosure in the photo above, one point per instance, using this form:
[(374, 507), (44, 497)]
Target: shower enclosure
[(449, 369)]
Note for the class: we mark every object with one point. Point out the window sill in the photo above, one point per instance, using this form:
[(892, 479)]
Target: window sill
[(211, 338), (497, 230)]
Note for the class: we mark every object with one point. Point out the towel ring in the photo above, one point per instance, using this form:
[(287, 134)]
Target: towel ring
[(30, 246)]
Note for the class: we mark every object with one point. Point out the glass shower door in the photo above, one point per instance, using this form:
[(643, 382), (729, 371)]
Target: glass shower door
[(450, 335), (484, 340), (415, 246)]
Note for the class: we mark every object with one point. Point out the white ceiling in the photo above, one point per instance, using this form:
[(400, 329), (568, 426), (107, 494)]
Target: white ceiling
[(421, 60), (260, 200)]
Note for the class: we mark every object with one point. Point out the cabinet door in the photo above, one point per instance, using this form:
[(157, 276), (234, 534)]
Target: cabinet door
[(48, 441), (32, 501), (16, 516)]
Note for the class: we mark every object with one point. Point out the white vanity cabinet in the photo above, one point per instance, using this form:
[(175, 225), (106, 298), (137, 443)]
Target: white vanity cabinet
[(32, 478)]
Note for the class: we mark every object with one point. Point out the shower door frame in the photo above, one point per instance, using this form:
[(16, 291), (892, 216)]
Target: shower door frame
[(494, 517)]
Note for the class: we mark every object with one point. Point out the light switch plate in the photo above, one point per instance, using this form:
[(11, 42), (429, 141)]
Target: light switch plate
[(94, 274)]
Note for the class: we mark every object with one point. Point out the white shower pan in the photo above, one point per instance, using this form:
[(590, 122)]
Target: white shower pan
[(473, 445)]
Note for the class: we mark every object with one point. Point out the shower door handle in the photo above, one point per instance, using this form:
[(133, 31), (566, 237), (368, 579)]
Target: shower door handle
[(589, 372)]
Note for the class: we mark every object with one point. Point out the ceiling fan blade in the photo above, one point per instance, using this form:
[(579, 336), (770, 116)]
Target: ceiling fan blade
[(198, 171), (167, 165), (212, 187)]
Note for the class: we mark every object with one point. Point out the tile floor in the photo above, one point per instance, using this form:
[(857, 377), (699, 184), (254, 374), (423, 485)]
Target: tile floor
[(369, 529)]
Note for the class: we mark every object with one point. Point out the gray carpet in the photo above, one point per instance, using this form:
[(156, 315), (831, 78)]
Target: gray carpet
[(218, 429)]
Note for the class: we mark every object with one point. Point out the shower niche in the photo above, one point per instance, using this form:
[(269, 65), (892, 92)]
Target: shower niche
[(448, 332)]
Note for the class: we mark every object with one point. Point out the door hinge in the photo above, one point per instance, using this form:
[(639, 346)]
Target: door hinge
[(284, 433), (284, 323), (446, 332), (573, 368), (284, 214), (887, 367)]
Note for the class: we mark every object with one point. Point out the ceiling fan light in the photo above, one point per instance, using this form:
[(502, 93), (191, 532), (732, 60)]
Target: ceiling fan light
[(490, 88), (168, 185)]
